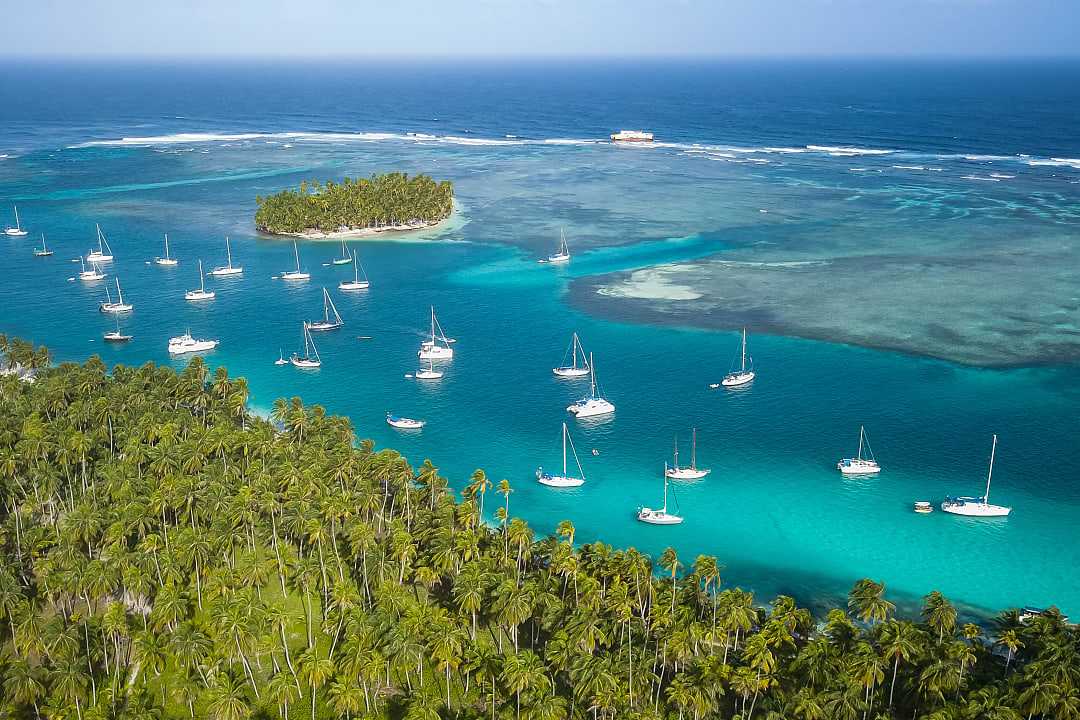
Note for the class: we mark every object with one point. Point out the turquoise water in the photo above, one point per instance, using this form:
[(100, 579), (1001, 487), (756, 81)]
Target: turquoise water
[(774, 510)]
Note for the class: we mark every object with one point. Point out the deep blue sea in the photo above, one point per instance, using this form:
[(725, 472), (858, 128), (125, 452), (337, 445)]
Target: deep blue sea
[(901, 238)]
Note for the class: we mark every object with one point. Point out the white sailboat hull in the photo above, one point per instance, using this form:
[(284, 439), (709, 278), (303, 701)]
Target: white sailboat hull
[(737, 379), (560, 259), (559, 481), (974, 507), (115, 308), (658, 517), (115, 336), (341, 261), (591, 407), (426, 374), (435, 352), (197, 295), (15, 232), (91, 275), (295, 275), (225, 271), (855, 466), (348, 285), (321, 326), (98, 257), (166, 262), (677, 473), (305, 363), (570, 372)]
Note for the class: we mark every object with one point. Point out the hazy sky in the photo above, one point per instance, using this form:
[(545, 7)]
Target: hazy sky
[(540, 27)]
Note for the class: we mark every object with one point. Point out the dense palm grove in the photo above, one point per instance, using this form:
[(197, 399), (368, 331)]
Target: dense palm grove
[(388, 200), (167, 554)]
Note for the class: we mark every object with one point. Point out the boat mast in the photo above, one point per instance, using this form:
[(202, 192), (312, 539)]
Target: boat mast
[(296, 252), (119, 293), (228, 252), (990, 473), (592, 377), (356, 269), (860, 442), (564, 449), (432, 326), (676, 457), (664, 510), (693, 449), (166, 246), (202, 282), (18, 225), (744, 349)]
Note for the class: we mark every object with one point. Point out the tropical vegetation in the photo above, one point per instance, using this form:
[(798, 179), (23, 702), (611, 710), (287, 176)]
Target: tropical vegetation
[(164, 553), (389, 200)]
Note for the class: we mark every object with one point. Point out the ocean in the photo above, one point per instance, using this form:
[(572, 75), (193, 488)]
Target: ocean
[(900, 238)]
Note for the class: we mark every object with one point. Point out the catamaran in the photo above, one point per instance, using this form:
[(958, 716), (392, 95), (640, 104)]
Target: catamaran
[(182, 344), (228, 268), (593, 404), (103, 252), (116, 336), (859, 465), (345, 258), (563, 255), (166, 261), (403, 423), (16, 231), (428, 373), (432, 349), (91, 275), (356, 283), (977, 506), (202, 293), (686, 473), (660, 516), (745, 373), (563, 480), (115, 307), (573, 370), (44, 251), (327, 323), (311, 357), (296, 274)]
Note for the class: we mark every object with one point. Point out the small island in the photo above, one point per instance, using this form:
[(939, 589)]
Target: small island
[(356, 207)]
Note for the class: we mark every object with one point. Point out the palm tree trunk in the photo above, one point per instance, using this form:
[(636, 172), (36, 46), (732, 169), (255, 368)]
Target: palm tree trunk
[(892, 686)]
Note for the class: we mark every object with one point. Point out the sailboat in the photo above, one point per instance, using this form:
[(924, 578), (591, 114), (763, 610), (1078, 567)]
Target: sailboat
[(686, 473), (202, 293), (563, 480), (281, 358), (977, 506), (228, 268), (859, 465), (16, 231), (345, 258), (166, 261), (563, 255), (91, 275), (428, 373), (115, 307), (311, 358), (593, 404), (660, 516), (356, 283), (573, 370), (103, 252), (116, 336), (327, 323), (296, 274), (44, 251), (745, 373), (432, 349)]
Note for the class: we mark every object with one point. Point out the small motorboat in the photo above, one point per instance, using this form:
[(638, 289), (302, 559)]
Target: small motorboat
[(923, 507), (182, 344), (403, 423)]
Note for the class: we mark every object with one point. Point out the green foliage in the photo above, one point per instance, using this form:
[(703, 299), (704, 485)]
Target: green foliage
[(164, 554), (379, 201)]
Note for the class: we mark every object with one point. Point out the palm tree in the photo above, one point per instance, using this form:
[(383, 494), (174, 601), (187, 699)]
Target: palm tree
[(523, 671), (867, 601), (939, 614), (315, 670)]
